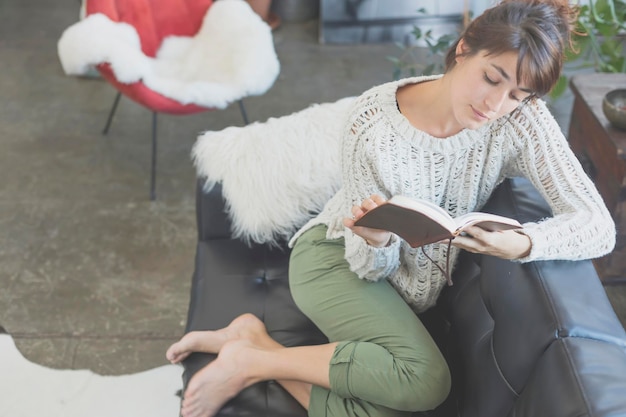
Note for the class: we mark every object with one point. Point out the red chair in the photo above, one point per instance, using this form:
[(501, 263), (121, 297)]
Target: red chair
[(154, 21)]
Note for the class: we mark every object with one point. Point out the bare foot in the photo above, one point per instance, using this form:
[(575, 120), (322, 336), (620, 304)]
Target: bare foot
[(247, 326), (215, 384), (192, 342)]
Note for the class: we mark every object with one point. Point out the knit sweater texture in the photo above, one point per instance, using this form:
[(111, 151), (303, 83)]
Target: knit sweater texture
[(384, 154)]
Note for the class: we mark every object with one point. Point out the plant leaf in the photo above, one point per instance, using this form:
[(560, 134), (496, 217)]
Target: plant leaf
[(559, 88)]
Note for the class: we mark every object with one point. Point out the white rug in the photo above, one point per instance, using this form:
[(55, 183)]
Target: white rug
[(31, 390)]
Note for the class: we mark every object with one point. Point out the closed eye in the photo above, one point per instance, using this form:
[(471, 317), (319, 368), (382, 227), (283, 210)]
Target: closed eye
[(489, 80), (493, 82)]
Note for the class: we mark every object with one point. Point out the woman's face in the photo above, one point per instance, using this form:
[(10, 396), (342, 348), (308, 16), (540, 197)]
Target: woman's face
[(485, 88)]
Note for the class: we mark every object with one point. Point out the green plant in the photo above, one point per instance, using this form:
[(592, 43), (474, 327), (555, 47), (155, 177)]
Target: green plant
[(598, 39), (412, 61)]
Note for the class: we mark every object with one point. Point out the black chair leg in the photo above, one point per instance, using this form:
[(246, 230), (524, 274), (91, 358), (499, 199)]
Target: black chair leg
[(243, 112), (154, 158), (111, 113)]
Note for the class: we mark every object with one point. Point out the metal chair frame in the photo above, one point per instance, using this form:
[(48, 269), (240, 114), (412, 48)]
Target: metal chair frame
[(153, 158)]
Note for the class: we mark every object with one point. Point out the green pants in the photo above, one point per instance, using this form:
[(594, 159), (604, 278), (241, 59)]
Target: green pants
[(385, 363)]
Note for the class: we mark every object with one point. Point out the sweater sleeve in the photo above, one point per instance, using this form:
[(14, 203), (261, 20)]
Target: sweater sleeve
[(360, 180), (581, 226)]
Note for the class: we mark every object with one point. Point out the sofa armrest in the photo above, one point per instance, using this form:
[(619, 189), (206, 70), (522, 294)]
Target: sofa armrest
[(504, 316), (576, 377)]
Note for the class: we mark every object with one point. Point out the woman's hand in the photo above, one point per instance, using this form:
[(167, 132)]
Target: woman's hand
[(374, 237), (507, 244)]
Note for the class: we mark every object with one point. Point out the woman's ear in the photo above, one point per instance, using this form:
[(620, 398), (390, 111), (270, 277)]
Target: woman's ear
[(460, 51)]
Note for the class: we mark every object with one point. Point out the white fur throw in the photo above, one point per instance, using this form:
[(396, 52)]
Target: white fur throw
[(232, 56), (275, 175)]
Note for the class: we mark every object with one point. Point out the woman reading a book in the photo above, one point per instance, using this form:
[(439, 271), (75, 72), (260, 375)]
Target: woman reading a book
[(449, 139)]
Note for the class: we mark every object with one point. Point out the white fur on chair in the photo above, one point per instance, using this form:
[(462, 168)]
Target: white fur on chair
[(276, 174), (232, 56)]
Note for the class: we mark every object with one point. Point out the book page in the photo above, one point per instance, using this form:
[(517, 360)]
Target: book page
[(487, 221)]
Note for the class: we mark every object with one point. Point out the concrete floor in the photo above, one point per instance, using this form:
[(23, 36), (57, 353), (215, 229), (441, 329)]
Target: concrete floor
[(93, 274)]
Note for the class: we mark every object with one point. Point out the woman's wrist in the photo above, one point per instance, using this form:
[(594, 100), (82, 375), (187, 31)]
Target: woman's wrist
[(379, 244), (526, 245)]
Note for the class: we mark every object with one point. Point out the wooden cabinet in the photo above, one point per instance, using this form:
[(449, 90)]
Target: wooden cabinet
[(600, 147), (602, 150)]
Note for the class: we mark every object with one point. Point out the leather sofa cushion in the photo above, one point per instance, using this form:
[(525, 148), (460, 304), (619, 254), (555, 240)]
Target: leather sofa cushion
[(232, 278)]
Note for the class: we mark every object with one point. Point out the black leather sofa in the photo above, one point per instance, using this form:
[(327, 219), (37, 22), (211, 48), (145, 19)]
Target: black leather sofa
[(532, 340)]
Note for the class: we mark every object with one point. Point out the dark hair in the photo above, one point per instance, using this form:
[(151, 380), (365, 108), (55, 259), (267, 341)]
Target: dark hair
[(538, 31)]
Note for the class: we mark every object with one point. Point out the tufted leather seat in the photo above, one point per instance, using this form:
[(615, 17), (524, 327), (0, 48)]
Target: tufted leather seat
[(232, 278)]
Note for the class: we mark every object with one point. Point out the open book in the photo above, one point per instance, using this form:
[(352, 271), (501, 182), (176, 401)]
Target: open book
[(421, 222)]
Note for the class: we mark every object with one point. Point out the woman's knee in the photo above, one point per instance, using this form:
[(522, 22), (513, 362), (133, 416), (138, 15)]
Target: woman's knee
[(415, 380), (429, 385)]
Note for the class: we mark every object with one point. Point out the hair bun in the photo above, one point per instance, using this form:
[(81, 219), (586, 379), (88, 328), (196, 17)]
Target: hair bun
[(567, 13)]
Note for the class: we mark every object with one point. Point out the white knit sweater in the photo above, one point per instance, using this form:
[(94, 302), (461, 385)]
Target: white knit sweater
[(384, 154)]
